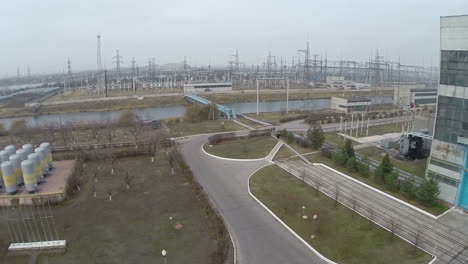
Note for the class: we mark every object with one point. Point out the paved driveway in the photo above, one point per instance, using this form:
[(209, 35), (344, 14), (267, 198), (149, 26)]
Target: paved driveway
[(259, 238)]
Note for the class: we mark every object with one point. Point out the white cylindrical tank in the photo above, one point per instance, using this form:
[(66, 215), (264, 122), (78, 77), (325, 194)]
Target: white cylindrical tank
[(16, 163), (30, 179), (4, 155), (42, 158), (28, 148), (22, 154), (48, 148), (9, 177), (34, 158), (11, 149)]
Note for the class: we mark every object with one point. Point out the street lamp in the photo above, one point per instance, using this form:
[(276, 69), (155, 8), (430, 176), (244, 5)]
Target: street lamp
[(164, 253)]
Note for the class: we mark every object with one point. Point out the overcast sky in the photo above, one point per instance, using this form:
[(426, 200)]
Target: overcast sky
[(44, 33)]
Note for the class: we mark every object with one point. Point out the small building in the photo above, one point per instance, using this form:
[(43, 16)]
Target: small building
[(348, 105), (207, 87), (408, 96)]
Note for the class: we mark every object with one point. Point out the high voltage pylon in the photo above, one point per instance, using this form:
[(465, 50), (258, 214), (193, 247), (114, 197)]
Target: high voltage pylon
[(118, 61)]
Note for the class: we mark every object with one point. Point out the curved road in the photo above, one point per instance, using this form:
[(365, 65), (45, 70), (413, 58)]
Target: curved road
[(258, 237)]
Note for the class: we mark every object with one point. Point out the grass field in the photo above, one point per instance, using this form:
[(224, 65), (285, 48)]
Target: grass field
[(274, 117), (181, 129), (252, 124), (415, 167), (340, 234), (134, 226), (318, 158), (248, 148)]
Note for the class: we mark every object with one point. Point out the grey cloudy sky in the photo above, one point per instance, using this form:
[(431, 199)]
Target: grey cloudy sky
[(44, 33)]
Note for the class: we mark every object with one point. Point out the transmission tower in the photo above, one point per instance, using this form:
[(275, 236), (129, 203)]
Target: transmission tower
[(118, 61), (133, 67), (307, 63), (18, 73), (29, 72), (154, 68)]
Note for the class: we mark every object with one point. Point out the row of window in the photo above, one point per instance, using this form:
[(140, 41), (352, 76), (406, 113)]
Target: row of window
[(445, 165), (452, 119), (442, 178), (425, 101), (454, 68)]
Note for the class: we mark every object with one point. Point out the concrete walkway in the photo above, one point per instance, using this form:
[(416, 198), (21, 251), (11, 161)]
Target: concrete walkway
[(258, 237), (432, 234)]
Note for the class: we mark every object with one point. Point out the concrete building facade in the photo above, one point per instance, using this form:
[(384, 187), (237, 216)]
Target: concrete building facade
[(449, 157), (349, 105), (414, 96), (207, 87)]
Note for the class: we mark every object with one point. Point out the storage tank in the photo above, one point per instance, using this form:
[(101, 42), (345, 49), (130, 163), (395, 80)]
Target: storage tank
[(16, 163), (9, 177), (4, 156), (42, 159), (11, 149), (34, 158), (28, 148), (22, 154), (30, 179), (48, 148)]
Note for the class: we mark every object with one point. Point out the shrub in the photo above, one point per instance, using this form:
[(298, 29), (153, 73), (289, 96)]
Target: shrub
[(348, 148), (427, 192), (284, 133), (127, 118), (290, 137), (316, 136), (351, 164), (363, 167), (407, 188), (391, 180), (340, 157)]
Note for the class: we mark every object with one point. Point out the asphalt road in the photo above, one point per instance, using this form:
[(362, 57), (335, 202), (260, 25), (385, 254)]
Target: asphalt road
[(259, 239)]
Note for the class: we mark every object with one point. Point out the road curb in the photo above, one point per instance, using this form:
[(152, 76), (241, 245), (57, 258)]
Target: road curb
[(282, 223)]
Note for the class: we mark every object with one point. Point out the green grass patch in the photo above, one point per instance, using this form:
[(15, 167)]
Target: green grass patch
[(340, 234), (438, 209), (181, 129), (246, 148), (274, 117), (415, 167), (382, 129)]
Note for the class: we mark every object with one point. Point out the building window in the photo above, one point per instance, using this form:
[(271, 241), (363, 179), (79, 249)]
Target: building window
[(452, 121), (454, 68), (443, 179), (425, 101), (445, 166)]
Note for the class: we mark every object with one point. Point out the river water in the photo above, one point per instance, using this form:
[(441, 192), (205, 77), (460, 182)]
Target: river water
[(174, 111)]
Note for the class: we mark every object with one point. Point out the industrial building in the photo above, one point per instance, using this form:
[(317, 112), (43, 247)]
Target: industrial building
[(207, 87), (449, 152), (409, 96), (348, 105)]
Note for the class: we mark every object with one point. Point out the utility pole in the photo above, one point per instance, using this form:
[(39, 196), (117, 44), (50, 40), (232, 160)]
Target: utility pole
[(69, 74), (99, 79)]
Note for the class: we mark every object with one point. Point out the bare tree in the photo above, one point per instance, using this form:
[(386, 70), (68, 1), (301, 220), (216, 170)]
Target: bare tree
[(393, 227), (127, 180), (353, 201), (94, 129), (303, 175), (109, 192), (135, 130), (371, 215), (66, 133), (417, 238), (111, 131), (317, 184), (337, 194)]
